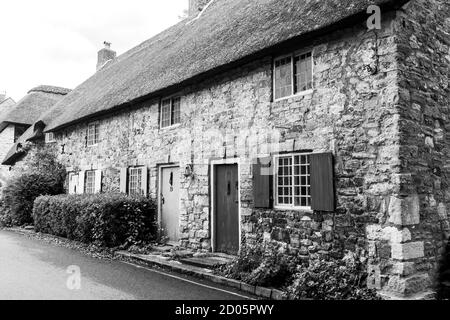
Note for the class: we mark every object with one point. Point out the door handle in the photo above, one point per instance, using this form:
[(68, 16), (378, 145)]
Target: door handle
[(163, 201)]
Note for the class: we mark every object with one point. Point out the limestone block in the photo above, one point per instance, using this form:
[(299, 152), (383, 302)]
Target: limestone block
[(442, 211), (401, 236), (392, 234), (403, 268), (407, 251), (409, 285), (404, 211)]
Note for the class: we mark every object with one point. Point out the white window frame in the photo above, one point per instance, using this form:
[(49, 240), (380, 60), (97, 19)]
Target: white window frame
[(95, 142), (139, 186), (293, 55), (275, 182), (86, 181), (71, 176), (172, 125), (50, 137)]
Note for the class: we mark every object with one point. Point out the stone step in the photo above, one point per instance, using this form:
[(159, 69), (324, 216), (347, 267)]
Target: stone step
[(205, 262), (163, 249)]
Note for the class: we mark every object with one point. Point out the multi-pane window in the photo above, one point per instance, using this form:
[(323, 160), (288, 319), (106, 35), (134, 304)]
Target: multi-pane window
[(49, 137), (135, 181), (293, 74), (93, 134), (170, 112), (293, 181), (303, 72), (89, 183), (283, 77)]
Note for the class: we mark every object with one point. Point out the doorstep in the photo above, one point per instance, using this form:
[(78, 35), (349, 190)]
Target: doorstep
[(197, 267)]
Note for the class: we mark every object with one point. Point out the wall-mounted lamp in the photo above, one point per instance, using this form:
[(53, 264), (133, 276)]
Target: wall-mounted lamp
[(189, 170)]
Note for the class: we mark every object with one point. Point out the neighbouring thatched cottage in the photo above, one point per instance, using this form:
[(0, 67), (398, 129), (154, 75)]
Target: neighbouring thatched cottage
[(15, 119), (280, 120)]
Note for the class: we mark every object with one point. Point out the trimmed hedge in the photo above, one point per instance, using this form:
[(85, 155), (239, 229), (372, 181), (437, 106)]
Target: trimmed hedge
[(108, 219), (21, 191), (39, 174)]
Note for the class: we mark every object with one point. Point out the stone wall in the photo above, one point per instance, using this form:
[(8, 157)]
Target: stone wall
[(415, 233)]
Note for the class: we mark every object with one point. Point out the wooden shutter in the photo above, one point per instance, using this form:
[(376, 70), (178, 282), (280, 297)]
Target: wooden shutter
[(262, 182), (123, 179), (81, 177), (322, 182), (144, 181), (98, 181)]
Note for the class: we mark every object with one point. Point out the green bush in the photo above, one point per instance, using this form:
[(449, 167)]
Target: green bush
[(108, 219), (270, 264), (5, 215), (264, 264), (332, 279), (21, 191), (40, 174)]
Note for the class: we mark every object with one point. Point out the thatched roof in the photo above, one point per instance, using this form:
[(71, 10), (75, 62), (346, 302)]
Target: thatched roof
[(50, 89), (227, 33), (30, 107), (6, 106)]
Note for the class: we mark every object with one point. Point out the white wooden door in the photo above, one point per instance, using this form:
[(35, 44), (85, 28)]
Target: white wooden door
[(170, 203)]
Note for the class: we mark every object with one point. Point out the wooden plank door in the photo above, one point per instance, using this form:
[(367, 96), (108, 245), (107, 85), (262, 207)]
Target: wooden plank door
[(170, 203), (226, 222)]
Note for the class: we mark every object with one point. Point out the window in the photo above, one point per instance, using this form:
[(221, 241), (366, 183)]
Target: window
[(170, 112), (89, 185), (135, 181), (292, 181), (303, 72), (93, 134), (293, 74), (49, 137)]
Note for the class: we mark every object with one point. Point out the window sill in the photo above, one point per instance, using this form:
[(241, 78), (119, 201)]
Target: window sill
[(298, 209), (300, 94), (170, 128)]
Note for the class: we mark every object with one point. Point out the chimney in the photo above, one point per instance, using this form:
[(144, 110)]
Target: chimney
[(105, 55), (195, 6)]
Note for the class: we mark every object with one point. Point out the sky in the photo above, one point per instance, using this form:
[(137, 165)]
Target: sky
[(55, 42)]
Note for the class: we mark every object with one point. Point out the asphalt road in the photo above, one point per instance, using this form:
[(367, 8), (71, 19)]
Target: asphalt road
[(33, 269)]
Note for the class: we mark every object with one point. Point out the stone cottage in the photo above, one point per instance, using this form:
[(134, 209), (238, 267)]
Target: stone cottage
[(15, 119), (291, 121)]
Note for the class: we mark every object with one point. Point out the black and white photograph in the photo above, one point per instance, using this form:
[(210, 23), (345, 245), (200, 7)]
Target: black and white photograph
[(226, 156)]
